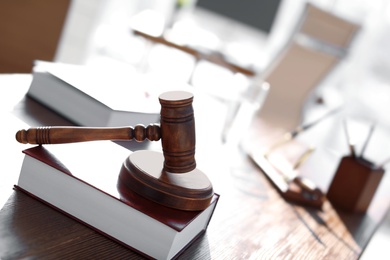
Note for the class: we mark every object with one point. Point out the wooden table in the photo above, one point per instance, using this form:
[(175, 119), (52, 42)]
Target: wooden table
[(211, 56), (251, 221)]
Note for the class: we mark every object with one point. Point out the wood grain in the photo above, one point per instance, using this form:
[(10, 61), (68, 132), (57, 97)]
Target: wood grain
[(215, 58), (251, 221)]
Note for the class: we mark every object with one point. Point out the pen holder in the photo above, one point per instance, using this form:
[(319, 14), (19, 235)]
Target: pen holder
[(354, 184)]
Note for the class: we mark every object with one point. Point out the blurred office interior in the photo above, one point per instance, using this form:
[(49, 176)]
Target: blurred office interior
[(99, 33), (106, 38)]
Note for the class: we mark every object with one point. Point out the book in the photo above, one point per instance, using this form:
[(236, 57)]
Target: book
[(96, 96), (81, 181)]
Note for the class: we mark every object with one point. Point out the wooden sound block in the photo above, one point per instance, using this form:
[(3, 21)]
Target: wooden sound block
[(143, 173)]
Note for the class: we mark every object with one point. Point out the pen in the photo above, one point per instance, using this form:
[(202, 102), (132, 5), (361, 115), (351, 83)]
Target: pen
[(292, 134), (367, 139), (350, 144), (303, 158)]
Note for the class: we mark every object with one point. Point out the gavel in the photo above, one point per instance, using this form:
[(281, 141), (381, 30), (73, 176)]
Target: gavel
[(179, 184)]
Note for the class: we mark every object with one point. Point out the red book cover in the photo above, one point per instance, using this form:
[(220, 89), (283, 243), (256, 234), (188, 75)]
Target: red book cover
[(98, 164)]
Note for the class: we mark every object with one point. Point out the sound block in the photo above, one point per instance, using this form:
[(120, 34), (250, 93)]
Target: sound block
[(143, 173)]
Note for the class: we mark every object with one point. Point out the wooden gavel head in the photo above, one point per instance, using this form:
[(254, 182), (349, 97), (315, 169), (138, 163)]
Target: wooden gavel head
[(176, 131), (171, 179), (177, 126)]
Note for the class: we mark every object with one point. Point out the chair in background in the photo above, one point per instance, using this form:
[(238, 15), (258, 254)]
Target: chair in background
[(318, 43)]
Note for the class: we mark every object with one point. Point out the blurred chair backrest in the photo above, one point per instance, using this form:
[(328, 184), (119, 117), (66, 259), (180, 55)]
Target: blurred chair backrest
[(319, 41), (327, 27), (29, 30)]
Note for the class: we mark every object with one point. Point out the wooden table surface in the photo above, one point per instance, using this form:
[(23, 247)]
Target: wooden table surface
[(216, 58), (251, 221)]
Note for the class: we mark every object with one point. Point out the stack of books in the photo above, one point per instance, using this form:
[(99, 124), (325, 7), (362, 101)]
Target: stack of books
[(81, 180)]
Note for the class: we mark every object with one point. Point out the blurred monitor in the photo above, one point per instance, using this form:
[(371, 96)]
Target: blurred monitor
[(259, 14)]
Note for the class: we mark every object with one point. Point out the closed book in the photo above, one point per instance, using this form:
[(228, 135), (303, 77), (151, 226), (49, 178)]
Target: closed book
[(92, 96), (81, 181)]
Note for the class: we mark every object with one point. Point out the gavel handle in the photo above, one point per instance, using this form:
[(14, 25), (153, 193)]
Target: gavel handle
[(60, 135)]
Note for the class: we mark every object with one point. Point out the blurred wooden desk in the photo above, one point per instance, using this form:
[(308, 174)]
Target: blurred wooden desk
[(250, 221), (213, 57)]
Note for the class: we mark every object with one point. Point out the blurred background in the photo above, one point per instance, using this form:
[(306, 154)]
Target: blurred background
[(250, 35), (225, 34)]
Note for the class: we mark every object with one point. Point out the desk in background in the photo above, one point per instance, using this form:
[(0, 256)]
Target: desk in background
[(211, 56)]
